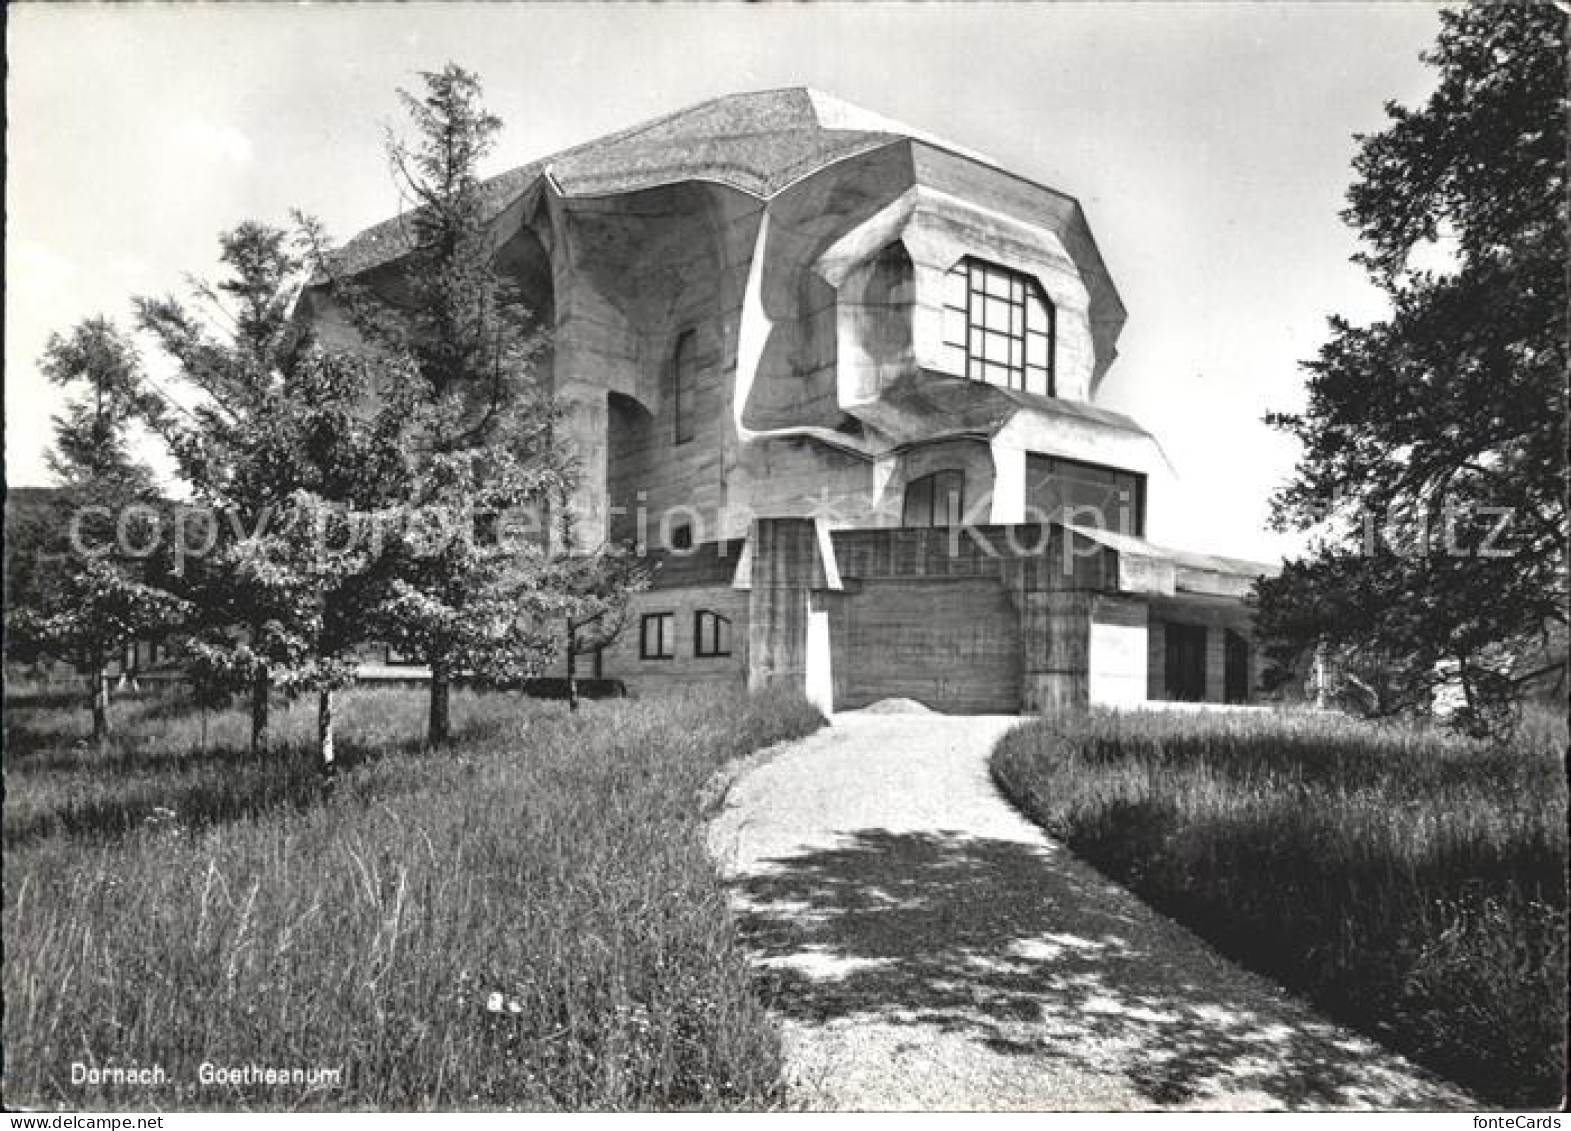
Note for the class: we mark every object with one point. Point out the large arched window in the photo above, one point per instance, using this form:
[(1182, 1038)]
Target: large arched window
[(935, 500), (999, 327), (684, 379)]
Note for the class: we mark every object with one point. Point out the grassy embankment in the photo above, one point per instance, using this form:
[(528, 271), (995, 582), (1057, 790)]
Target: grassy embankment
[(1410, 883), (528, 920)]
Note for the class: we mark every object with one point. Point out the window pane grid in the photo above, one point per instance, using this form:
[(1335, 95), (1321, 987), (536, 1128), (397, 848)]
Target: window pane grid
[(1003, 332)]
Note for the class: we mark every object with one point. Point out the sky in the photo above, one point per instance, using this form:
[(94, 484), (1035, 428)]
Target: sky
[(1209, 143)]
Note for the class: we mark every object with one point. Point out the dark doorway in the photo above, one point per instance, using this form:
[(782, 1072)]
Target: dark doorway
[(1186, 662), (1235, 674)]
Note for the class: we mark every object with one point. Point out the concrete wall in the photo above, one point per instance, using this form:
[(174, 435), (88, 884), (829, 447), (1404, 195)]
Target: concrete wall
[(648, 471), (997, 620), (991, 619), (646, 677), (950, 643), (837, 286)]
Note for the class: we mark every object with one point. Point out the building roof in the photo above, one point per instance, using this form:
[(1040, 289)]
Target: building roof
[(758, 142), (1192, 572), (908, 409)]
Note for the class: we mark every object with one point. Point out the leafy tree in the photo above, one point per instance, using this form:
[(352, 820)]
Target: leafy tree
[(95, 597), (331, 447), (1434, 441), (333, 440), (232, 347), (489, 443)]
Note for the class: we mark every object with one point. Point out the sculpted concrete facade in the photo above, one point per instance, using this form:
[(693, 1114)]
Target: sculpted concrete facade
[(810, 344)]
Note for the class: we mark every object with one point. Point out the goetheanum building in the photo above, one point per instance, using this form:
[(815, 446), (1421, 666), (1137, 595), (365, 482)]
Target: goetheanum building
[(841, 379)]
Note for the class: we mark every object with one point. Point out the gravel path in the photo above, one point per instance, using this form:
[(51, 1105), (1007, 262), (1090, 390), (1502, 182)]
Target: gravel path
[(925, 947)]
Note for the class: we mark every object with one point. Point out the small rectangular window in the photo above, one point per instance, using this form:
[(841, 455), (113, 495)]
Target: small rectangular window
[(935, 500), (711, 634), (657, 640)]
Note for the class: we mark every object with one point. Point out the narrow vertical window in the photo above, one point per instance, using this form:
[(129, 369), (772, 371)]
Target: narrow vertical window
[(1186, 662), (684, 378)]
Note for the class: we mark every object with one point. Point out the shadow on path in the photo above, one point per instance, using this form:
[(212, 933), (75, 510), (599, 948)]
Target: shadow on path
[(1029, 953)]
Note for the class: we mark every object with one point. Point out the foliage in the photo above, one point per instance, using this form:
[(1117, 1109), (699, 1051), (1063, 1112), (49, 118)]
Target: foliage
[(489, 450), (95, 596), (532, 922), (1434, 441), (1409, 881), (238, 632), (334, 439)]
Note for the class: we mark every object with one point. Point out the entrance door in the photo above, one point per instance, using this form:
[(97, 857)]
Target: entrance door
[(1186, 662)]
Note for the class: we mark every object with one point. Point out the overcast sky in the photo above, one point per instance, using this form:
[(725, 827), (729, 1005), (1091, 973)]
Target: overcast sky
[(1209, 143)]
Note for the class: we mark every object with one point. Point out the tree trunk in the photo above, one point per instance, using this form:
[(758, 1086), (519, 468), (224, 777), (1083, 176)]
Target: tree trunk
[(100, 698), (324, 728), (261, 704), (572, 669), (439, 727)]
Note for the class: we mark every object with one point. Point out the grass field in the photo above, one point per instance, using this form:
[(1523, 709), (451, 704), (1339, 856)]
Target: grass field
[(1409, 883), (529, 920)]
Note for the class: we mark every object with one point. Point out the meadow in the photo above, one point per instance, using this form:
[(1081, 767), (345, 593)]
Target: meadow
[(1410, 883), (526, 920)]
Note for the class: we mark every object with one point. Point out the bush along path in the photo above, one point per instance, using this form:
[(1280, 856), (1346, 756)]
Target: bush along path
[(925, 947)]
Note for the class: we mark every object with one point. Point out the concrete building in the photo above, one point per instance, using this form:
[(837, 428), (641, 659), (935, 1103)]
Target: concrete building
[(841, 379)]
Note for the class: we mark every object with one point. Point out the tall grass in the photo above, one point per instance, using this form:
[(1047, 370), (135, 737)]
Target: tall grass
[(529, 920), (1410, 883)]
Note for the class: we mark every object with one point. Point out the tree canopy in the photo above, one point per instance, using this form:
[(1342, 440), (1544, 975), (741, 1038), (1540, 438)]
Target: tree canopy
[(488, 447), (90, 593), (1434, 440)]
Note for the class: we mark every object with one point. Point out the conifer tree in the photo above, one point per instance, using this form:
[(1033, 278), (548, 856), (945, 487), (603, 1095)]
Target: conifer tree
[(232, 345), (490, 457)]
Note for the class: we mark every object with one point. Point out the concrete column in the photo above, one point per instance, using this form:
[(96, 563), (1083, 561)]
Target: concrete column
[(586, 418), (1156, 660), (1216, 664), (1057, 674), (788, 622)]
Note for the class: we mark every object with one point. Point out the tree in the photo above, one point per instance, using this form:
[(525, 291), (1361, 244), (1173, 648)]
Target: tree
[(488, 426), (239, 639), (95, 599), (1434, 441), (331, 446), (300, 456)]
